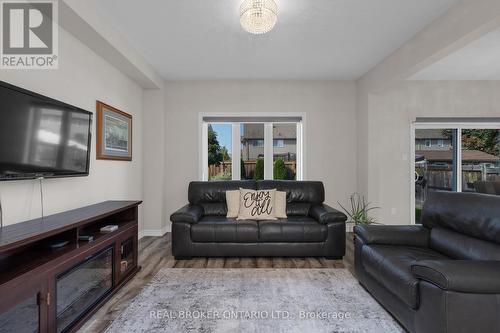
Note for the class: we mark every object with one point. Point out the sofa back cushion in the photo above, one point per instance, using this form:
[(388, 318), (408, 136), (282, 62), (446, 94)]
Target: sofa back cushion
[(471, 214), (462, 247), (257, 205), (300, 195), (298, 209), (465, 226), (311, 192), (212, 195)]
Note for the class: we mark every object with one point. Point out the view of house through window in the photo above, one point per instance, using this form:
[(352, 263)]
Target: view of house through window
[(256, 149), (252, 151), (285, 151), (480, 152), (455, 159)]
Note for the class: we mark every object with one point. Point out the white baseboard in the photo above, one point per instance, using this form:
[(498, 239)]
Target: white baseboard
[(155, 232), (349, 227)]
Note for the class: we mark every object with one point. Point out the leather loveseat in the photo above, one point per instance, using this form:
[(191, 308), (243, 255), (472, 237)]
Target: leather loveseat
[(440, 276), (312, 229)]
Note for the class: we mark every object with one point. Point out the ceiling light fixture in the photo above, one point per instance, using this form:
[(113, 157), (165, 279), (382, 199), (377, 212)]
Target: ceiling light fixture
[(258, 16)]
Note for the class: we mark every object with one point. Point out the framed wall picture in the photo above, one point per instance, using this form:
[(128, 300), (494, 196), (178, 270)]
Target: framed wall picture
[(114, 133)]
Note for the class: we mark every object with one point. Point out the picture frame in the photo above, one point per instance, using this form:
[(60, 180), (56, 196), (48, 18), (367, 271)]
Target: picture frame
[(114, 133)]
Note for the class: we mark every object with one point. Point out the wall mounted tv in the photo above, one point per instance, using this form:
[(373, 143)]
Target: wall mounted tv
[(41, 137)]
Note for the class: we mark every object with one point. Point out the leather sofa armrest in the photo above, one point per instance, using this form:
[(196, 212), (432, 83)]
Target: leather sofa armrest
[(325, 214), (467, 276), (189, 214), (404, 235)]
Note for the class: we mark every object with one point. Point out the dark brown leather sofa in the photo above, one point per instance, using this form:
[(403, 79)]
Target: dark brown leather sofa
[(443, 275), (312, 229)]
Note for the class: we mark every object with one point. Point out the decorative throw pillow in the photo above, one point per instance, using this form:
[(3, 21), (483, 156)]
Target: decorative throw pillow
[(280, 205), (257, 205), (233, 203)]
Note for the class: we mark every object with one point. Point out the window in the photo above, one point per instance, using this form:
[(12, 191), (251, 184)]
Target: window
[(284, 152), (219, 140), (428, 143), (465, 159), (279, 143), (251, 148), (257, 143)]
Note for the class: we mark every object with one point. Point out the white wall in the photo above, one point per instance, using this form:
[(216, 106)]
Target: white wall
[(462, 24), (82, 78), (390, 116), (331, 134), (155, 221)]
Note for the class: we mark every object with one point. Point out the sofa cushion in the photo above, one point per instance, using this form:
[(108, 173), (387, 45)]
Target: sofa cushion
[(232, 203), (215, 191), (257, 205), (472, 214), (300, 195), (280, 205), (312, 192), (462, 247), (214, 208), (391, 266), (298, 209), (219, 229), (294, 229)]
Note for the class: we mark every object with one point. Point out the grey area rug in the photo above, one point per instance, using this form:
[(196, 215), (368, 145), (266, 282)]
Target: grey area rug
[(254, 300)]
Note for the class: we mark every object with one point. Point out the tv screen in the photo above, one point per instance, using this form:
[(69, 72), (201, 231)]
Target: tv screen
[(41, 137)]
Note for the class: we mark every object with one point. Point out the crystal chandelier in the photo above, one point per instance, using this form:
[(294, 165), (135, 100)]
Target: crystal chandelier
[(258, 16)]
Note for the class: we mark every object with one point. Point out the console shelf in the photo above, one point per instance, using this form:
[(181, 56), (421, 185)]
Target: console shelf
[(36, 254)]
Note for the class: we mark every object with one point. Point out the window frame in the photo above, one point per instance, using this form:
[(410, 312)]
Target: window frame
[(268, 142), (459, 126)]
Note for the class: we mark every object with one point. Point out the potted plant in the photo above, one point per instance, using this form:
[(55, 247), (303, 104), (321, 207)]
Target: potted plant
[(358, 212)]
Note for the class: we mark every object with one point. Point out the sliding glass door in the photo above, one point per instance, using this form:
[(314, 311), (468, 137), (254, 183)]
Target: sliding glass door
[(435, 163), (454, 157)]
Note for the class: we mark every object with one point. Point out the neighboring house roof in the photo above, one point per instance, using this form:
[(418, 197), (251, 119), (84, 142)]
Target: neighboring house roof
[(256, 132), (447, 155), (430, 134)]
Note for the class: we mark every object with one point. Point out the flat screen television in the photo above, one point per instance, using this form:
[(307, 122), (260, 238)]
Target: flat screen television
[(41, 137)]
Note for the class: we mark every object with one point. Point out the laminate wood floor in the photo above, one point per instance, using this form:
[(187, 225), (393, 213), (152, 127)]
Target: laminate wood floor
[(155, 254)]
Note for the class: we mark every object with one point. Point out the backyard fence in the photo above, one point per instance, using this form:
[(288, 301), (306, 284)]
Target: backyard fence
[(225, 167), (442, 179), (216, 169)]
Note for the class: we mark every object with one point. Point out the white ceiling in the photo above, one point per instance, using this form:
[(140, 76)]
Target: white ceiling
[(313, 39), (480, 60)]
